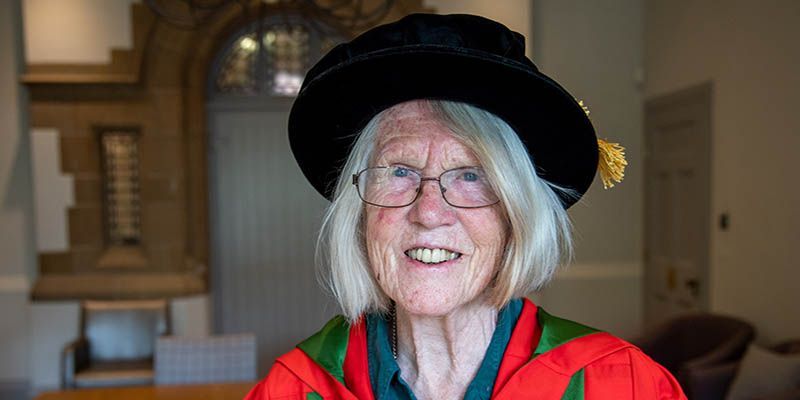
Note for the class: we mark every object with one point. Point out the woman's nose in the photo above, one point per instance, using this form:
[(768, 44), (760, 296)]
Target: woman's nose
[(431, 210)]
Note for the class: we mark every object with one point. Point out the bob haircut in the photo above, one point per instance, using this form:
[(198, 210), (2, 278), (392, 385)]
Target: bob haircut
[(539, 229)]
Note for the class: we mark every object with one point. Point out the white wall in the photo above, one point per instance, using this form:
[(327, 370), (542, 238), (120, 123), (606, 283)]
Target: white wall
[(191, 316), (53, 191), (594, 49), (17, 254), (76, 31), (52, 325), (749, 51)]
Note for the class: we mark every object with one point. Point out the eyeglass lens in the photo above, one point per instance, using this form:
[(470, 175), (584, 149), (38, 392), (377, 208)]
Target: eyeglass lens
[(397, 186)]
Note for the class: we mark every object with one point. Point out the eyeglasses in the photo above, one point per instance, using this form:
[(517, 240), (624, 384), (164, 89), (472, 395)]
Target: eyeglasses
[(398, 186)]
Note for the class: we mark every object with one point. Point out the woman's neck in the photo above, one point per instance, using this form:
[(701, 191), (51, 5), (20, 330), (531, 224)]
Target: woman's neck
[(439, 356)]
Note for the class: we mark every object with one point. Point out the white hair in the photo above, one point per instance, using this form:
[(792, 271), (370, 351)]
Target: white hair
[(539, 238)]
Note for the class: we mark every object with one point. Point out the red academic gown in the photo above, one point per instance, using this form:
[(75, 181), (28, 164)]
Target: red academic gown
[(546, 358)]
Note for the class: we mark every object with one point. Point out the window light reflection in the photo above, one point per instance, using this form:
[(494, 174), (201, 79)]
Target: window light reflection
[(287, 84)]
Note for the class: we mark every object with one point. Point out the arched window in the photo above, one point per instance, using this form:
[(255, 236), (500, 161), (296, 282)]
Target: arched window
[(271, 57)]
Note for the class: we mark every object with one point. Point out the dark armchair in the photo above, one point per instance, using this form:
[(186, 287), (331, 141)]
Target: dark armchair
[(694, 341), (116, 344), (714, 382)]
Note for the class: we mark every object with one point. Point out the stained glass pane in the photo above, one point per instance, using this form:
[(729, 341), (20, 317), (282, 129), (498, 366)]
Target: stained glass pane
[(121, 163), (287, 58), (237, 73), (272, 57)]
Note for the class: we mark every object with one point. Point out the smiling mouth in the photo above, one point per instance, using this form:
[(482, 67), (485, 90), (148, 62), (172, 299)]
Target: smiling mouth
[(431, 256)]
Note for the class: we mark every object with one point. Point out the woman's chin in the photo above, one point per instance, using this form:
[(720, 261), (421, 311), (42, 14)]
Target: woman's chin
[(433, 305)]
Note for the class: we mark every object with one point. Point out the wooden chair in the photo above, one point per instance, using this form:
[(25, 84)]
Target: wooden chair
[(116, 344)]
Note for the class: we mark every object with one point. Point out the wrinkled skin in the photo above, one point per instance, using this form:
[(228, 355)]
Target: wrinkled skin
[(410, 137)]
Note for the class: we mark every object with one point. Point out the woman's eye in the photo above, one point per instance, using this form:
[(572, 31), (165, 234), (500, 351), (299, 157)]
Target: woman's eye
[(400, 172), (469, 176)]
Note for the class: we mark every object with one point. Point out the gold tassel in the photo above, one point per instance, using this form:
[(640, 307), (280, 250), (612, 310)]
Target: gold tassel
[(585, 109), (612, 158), (611, 163)]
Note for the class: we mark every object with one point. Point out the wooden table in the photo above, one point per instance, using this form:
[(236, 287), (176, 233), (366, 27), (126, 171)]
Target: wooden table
[(218, 391)]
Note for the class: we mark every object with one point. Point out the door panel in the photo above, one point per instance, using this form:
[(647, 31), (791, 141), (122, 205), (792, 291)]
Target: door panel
[(677, 203), (264, 222)]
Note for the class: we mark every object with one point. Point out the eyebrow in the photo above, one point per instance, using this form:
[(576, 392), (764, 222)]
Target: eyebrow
[(399, 155)]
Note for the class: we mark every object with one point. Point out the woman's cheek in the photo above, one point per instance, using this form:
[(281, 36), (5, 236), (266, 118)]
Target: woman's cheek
[(382, 261), (382, 216)]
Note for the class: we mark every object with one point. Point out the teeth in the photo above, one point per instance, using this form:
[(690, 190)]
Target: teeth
[(432, 256), (426, 255)]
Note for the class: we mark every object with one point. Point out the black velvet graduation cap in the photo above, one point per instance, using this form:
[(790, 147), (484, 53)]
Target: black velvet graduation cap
[(462, 58)]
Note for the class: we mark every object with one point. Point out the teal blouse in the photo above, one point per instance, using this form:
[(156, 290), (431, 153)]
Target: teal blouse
[(384, 373)]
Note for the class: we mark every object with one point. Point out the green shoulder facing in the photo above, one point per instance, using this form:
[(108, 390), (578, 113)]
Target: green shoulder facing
[(557, 331), (328, 347)]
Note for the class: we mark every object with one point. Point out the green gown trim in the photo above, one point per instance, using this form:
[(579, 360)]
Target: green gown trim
[(328, 347), (555, 332), (575, 388)]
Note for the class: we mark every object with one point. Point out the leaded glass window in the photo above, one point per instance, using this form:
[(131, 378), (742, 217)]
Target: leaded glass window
[(120, 154), (271, 57), (238, 74), (287, 58)]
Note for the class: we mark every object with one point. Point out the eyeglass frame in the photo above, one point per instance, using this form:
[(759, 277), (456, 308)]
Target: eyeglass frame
[(422, 179)]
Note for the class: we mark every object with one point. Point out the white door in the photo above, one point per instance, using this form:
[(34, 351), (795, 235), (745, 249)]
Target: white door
[(677, 203), (264, 222)]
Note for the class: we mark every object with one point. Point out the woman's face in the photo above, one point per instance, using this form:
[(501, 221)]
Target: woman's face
[(397, 238)]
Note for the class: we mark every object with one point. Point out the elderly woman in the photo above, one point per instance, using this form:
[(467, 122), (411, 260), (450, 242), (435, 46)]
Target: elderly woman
[(450, 162)]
